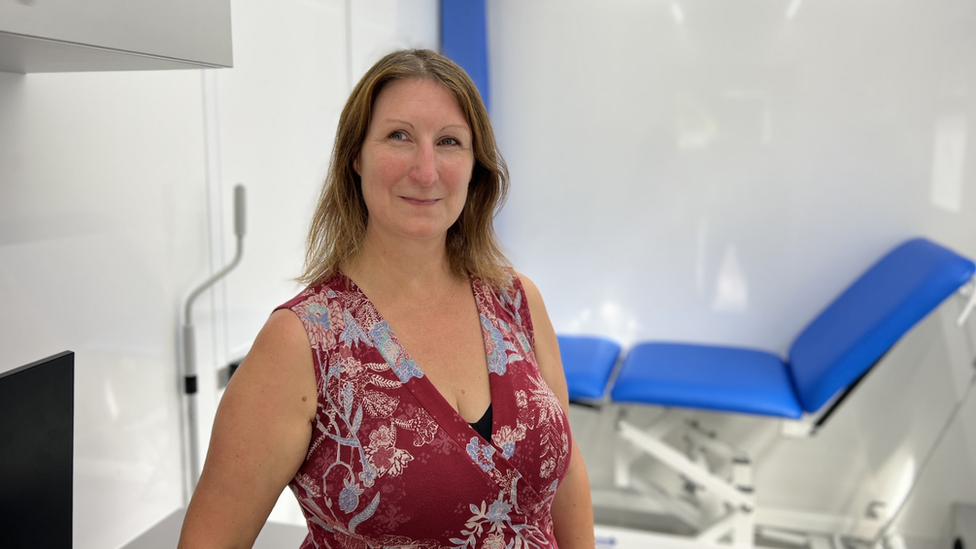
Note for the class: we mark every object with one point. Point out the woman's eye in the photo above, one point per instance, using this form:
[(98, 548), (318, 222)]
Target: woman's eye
[(450, 141), (398, 135)]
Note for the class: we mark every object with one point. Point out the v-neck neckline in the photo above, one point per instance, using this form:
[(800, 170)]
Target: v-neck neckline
[(423, 383)]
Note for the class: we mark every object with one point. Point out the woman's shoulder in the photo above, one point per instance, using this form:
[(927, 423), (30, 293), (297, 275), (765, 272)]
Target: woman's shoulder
[(518, 288), (285, 329), (514, 294), (502, 279), (331, 310), (326, 289)]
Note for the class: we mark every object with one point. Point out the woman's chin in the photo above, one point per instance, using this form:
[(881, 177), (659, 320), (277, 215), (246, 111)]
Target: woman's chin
[(419, 233)]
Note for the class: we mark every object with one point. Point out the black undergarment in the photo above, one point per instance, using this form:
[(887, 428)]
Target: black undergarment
[(483, 425)]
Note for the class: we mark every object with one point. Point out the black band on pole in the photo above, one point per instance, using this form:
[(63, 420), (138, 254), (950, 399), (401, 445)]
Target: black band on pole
[(190, 385)]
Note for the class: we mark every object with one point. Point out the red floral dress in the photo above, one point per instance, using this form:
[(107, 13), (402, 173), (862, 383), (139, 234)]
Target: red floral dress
[(392, 464)]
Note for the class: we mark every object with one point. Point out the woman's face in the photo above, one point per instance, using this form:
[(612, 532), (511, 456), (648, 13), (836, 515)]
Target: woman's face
[(416, 161)]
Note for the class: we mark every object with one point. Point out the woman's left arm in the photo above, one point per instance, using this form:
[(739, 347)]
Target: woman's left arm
[(572, 510)]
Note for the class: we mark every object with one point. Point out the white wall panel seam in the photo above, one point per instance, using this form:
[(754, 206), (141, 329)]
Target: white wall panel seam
[(348, 13), (206, 393)]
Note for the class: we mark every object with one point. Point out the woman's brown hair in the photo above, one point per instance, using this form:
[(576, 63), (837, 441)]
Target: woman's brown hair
[(338, 227)]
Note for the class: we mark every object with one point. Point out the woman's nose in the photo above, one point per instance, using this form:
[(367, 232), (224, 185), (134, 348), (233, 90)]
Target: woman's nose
[(425, 165)]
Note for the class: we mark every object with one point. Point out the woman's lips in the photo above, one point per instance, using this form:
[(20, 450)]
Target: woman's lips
[(419, 202)]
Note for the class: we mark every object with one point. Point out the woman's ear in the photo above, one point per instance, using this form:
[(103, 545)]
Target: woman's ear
[(355, 166)]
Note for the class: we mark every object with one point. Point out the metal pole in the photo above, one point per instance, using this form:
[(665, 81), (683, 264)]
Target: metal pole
[(189, 339)]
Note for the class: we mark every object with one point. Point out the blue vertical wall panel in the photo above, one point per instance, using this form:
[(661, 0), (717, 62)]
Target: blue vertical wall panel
[(464, 40)]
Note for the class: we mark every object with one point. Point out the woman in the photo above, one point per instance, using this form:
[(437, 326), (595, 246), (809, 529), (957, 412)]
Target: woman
[(412, 395)]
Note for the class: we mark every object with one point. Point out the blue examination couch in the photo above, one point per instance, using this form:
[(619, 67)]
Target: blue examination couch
[(825, 362)]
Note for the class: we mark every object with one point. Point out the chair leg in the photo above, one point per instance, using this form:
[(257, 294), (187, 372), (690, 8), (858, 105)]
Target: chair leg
[(727, 506), (686, 467), (744, 533), (736, 528), (625, 455)]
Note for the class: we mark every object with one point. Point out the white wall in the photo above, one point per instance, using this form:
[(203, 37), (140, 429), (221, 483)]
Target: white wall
[(712, 171), (112, 208)]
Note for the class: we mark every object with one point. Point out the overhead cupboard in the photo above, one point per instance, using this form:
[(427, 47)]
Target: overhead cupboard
[(109, 35)]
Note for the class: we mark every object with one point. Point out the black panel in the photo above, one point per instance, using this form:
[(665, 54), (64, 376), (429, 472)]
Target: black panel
[(36, 454)]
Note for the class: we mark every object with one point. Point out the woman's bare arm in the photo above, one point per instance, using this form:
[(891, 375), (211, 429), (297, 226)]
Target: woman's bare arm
[(260, 437), (572, 509)]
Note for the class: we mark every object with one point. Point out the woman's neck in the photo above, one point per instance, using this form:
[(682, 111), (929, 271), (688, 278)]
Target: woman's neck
[(416, 268)]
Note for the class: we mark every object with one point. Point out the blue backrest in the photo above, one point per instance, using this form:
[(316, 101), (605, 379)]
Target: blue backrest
[(854, 331)]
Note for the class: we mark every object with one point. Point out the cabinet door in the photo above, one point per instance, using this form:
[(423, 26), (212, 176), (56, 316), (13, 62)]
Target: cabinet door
[(196, 32)]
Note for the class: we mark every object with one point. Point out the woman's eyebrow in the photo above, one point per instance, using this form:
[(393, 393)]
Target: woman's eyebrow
[(397, 121), (402, 122), (464, 127)]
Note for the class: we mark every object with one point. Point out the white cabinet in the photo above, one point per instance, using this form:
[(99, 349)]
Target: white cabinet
[(99, 35)]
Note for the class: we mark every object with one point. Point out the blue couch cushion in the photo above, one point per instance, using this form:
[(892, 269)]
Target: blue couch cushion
[(588, 362), (707, 377)]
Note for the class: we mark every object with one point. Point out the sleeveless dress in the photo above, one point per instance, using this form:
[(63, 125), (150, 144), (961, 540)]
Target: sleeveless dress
[(392, 464)]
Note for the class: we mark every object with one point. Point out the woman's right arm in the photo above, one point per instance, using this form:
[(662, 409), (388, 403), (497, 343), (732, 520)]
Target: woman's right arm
[(260, 438)]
